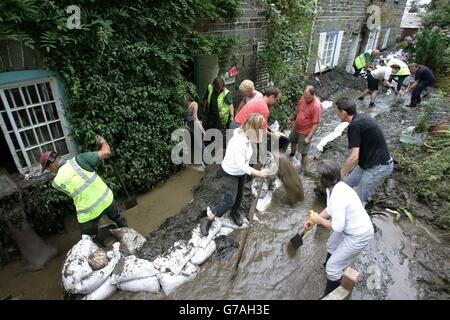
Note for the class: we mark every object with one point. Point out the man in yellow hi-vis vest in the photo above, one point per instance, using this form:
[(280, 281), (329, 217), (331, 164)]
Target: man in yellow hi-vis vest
[(218, 105), (77, 178), (364, 60)]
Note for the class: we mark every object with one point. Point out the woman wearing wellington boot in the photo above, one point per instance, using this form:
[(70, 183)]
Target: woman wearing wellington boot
[(350, 224)]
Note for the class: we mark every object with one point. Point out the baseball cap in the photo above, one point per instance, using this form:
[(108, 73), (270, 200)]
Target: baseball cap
[(46, 158)]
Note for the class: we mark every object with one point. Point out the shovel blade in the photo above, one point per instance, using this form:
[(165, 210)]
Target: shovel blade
[(297, 241), (130, 203)]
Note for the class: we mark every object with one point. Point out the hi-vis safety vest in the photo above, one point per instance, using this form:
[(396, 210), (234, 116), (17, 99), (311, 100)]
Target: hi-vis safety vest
[(404, 70), (90, 194), (224, 109), (360, 61)]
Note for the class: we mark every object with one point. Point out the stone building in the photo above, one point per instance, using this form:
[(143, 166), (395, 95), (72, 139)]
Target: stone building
[(341, 31)]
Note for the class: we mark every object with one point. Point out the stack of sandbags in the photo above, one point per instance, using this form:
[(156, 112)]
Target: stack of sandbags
[(130, 240), (79, 277), (135, 275)]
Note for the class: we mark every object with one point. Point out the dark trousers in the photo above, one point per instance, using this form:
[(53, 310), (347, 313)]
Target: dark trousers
[(357, 71), (232, 193), (91, 227), (415, 95), (400, 80)]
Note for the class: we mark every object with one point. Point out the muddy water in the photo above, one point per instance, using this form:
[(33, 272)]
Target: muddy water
[(267, 270), (153, 209)]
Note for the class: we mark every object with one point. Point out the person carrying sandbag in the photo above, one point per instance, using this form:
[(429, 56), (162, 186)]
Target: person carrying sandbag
[(77, 178)]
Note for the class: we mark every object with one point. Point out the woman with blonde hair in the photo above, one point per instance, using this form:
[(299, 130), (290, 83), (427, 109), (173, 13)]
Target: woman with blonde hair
[(248, 91), (234, 168)]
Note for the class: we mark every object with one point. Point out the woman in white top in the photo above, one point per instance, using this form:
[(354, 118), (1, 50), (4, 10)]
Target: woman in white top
[(234, 168), (351, 226)]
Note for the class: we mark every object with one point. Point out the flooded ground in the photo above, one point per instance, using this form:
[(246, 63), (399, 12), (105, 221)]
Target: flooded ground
[(404, 261), (153, 209)]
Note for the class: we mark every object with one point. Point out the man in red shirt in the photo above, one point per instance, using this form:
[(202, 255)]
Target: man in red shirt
[(257, 105), (307, 118)]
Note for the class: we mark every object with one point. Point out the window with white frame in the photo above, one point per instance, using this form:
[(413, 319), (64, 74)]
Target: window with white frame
[(31, 121), (329, 50)]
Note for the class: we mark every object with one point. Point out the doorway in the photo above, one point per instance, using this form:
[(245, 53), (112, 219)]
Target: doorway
[(352, 51)]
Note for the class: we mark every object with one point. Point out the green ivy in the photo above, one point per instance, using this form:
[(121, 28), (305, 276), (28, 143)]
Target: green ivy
[(286, 52), (121, 71)]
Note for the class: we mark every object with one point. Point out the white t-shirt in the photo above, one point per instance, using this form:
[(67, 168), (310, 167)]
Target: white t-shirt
[(238, 154), (382, 73), (346, 210), (257, 95)]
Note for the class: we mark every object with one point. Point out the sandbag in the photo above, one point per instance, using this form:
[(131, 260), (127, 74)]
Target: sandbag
[(224, 231), (228, 223), (203, 254), (96, 278), (76, 266), (177, 257), (149, 284), (130, 239), (170, 282), (132, 268), (189, 269), (106, 290), (198, 240), (264, 203)]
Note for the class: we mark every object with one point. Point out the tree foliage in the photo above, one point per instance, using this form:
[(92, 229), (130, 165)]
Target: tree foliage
[(286, 52), (121, 71)]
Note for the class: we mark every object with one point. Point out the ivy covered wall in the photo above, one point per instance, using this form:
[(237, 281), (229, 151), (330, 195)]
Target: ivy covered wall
[(122, 71)]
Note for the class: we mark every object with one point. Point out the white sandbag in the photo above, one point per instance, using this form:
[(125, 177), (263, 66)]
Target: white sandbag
[(96, 278), (198, 240), (170, 282), (228, 223), (331, 136), (76, 266), (203, 254), (129, 238), (149, 284), (132, 268), (189, 269), (176, 259), (264, 203), (103, 292), (326, 104), (224, 231)]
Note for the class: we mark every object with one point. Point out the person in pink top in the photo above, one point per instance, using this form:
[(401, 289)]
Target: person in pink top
[(261, 106), (257, 105), (307, 118)]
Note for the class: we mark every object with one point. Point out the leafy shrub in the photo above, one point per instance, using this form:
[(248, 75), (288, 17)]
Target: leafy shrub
[(121, 71)]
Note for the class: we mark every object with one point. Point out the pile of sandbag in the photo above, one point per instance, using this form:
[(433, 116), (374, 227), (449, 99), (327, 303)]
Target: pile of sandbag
[(97, 274), (79, 275)]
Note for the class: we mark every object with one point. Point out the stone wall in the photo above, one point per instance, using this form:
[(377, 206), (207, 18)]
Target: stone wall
[(250, 28), (350, 16)]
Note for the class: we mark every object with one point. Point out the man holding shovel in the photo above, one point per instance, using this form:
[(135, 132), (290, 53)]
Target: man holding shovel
[(77, 178)]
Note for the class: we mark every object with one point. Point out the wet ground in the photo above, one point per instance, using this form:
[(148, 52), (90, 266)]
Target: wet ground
[(153, 209), (404, 261)]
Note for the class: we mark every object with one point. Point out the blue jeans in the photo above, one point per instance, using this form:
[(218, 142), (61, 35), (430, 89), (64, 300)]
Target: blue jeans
[(366, 180)]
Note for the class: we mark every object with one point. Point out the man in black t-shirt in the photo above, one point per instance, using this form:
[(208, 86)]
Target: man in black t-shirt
[(369, 157), (423, 78)]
